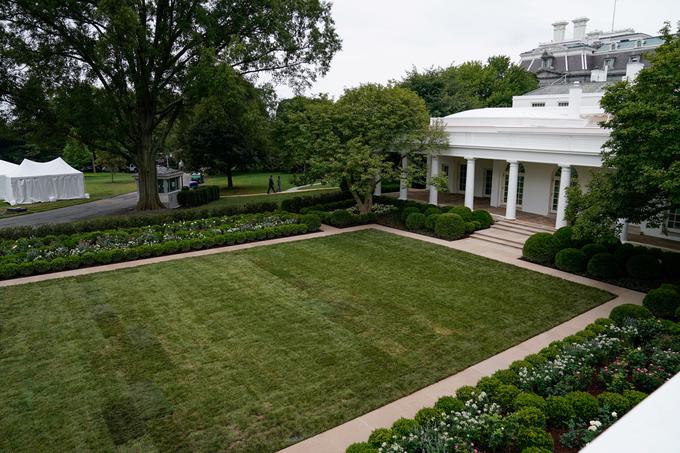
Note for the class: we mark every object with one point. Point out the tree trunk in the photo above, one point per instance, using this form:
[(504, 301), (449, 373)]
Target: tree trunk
[(230, 180), (94, 167), (146, 166), (364, 206)]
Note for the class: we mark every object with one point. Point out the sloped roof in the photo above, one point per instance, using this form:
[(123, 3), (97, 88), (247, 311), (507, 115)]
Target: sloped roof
[(57, 166), (563, 88)]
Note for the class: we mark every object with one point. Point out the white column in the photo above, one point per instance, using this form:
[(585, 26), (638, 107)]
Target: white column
[(378, 186), (470, 182), (565, 179), (429, 167), (624, 230), (434, 172), (403, 182), (511, 204)]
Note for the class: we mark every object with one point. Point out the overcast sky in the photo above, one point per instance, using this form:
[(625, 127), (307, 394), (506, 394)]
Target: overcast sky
[(382, 39)]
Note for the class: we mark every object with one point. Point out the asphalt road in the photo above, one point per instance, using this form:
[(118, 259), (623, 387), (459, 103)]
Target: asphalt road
[(107, 206)]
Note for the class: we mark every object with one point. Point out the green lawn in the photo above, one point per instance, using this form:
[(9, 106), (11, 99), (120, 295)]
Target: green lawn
[(253, 183), (245, 200), (98, 185), (257, 349)]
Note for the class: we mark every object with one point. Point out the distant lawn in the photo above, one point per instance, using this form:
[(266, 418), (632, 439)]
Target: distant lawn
[(258, 349), (98, 185), (253, 183), (245, 200)]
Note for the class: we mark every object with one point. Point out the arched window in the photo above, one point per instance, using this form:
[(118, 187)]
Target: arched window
[(556, 186), (520, 184)]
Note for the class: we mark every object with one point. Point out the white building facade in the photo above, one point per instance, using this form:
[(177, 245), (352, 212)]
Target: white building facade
[(523, 158)]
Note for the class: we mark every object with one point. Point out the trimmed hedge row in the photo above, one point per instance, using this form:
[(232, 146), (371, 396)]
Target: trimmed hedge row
[(296, 204), (132, 221), (188, 198), (637, 267), (306, 223), (507, 412)]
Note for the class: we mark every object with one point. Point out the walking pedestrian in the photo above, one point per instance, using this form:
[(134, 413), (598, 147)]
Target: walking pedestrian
[(278, 182), (271, 187)]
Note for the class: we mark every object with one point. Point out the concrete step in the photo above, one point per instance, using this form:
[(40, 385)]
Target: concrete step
[(500, 235), (513, 229), (496, 241), (532, 227)]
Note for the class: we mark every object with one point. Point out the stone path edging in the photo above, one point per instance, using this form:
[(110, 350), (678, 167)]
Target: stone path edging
[(336, 440)]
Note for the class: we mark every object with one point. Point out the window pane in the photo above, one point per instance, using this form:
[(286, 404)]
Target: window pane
[(674, 219)]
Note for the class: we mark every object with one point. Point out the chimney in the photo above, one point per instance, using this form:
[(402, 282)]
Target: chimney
[(558, 30), (575, 96), (580, 28)]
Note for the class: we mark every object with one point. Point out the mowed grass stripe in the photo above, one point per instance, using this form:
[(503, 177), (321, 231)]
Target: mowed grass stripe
[(256, 349)]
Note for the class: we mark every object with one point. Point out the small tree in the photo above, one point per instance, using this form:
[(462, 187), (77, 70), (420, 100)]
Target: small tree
[(76, 154), (113, 162), (372, 128)]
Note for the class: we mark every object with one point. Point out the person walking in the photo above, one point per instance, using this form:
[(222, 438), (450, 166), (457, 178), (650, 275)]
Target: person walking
[(278, 182), (271, 187)]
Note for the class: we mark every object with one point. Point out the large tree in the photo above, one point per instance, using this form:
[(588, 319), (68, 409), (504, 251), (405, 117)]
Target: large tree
[(642, 156), (470, 85), (226, 125), (369, 130), (141, 54)]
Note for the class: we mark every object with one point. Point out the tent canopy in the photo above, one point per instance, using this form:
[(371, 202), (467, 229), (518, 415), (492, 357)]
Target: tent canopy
[(32, 182)]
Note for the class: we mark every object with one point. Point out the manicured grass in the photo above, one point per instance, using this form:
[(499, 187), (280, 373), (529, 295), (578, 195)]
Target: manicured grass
[(257, 349), (253, 183), (98, 185), (245, 200)]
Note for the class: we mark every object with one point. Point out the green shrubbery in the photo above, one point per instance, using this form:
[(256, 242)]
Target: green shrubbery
[(571, 260), (663, 301), (449, 226), (188, 198), (604, 265), (464, 212), (540, 248), (643, 267), (483, 217), (629, 311), (416, 221)]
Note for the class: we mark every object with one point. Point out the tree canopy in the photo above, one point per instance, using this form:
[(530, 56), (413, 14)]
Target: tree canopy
[(643, 151), (141, 55), (226, 125), (470, 85), (365, 134)]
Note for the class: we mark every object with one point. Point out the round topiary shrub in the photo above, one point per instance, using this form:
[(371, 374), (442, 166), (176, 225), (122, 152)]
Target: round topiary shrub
[(431, 221), (505, 396), (415, 221), (312, 221), (527, 417), (634, 397), (404, 426), (571, 260), (340, 218), (466, 392), (610, 242), (584, 404), (483, 217), (506, 376), (488, 384), (463, 211), (432, 210), (643, 267), (540, 248), (558, 410), (533, 438), (604, 265), (380, 436), (426, 415), (470, 227), (536, 450), (407, 211), (528, 399), (591, 250), (629, 311), (662, 302), (615, 402), (564, 237), (624, 252), (361, 447), (448, 404), (449, 226)]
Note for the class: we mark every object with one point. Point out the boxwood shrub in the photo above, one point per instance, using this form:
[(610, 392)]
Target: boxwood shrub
[(604, 265), (584, 404), (483, 217), (591, 250), (416, 221), (564, 238), (470, 227), (558, 409), (540, 248), (312, 221), (380, 436), (449, 404), (662, 302), (629, 311), (341, 218), (408, 211), (571, 260), (432, 210), (449, 226), (431, 221), (644, 267), (463, 211), (197, 197)]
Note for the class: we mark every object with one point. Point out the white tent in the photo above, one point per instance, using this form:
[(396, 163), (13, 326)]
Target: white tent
[(33, 182)]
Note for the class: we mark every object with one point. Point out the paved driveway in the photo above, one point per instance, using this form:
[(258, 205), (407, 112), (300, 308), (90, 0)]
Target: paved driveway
[(120, 204)]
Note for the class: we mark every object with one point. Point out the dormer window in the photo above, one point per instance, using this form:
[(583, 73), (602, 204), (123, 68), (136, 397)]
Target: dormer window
[(612, 46), (547, 61), (609, 63), (639, 43), (634, 59)]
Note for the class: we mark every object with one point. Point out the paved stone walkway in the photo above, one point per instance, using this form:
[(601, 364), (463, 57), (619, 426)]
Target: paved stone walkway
[(120, 204), (337, 439)]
